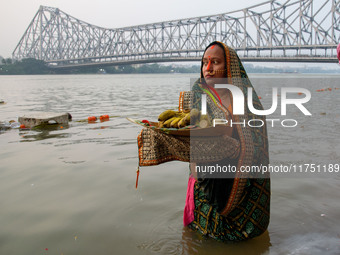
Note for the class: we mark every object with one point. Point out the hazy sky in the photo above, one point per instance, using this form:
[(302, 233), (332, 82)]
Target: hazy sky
[(15, 15)]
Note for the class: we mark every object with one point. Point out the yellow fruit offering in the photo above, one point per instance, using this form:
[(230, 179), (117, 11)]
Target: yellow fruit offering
[(168, 122), (175, 119), (174, 123), (166, 115)]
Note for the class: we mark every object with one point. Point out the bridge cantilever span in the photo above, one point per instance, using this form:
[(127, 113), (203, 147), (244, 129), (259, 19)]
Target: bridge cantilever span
[(296, 31)]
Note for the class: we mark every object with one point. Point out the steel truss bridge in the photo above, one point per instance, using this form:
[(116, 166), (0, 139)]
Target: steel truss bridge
[(292, 31)]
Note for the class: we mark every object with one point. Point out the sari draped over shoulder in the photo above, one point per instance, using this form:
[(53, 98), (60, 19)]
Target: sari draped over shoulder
[(227, 209)]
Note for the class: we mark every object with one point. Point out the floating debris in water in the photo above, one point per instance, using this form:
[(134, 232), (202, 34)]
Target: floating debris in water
[(326, 89), (33, 119), (92, 119), (104, 118)]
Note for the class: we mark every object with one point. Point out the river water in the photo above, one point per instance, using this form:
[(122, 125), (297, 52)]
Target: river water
[(71, 189)]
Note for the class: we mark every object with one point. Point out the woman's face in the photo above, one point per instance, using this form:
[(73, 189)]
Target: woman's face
[(213, 64)]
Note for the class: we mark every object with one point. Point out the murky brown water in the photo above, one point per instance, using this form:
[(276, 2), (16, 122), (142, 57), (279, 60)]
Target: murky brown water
[(71, 190)]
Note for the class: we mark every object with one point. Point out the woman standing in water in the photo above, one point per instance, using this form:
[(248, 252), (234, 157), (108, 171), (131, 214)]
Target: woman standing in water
[(237, 208), (231, 207)]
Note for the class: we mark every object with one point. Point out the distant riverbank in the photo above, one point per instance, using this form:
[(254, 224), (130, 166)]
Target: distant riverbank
[(33, 66)]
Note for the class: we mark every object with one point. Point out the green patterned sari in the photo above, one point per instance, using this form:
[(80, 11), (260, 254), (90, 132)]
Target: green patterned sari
[(234, 209)]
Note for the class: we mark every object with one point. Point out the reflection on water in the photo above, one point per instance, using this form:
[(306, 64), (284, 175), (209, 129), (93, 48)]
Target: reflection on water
[(44, 132), (311, 243), (194, 243), (70, 189)]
